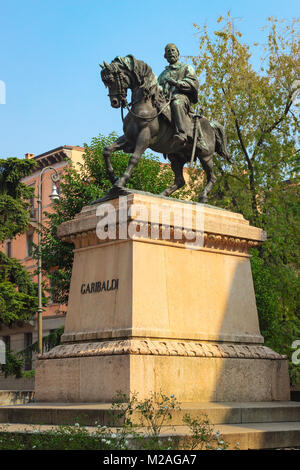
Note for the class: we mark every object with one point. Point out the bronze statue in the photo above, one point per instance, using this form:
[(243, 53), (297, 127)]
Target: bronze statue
[(179, 82), (151, 115)]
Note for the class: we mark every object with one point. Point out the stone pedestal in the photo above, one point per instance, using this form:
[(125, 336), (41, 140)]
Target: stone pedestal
[(151, 310)]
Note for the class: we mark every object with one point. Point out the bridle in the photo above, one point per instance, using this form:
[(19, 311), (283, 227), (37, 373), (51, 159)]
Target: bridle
[(122, 94), (121, 90)]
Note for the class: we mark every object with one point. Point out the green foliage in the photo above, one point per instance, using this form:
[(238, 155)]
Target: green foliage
[(49, 342), (277, 297), (150, 414), (80, 187), (13, 365), (203, 435), (18, 294), (28, 374), (275, 270), (156, 411), (14, 195), (53, 339), (257, 107), (15, 361)]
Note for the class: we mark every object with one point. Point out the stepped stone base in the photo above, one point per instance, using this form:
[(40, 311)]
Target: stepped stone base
[(260, 425)]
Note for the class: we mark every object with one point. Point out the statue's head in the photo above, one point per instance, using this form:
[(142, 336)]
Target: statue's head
[(116, 82), (171, 53)]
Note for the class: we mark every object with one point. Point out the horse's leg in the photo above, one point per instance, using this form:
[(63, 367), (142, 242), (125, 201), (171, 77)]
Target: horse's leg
[(207, 163), (177, 165), (120, 144), (142, 143)]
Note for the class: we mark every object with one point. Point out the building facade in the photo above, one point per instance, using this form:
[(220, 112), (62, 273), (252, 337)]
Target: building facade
[(19, 337)]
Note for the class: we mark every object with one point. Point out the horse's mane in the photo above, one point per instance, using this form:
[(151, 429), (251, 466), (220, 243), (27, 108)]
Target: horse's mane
[(144, 76)]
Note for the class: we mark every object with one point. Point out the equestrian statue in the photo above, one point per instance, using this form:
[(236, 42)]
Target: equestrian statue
[(160, 117)]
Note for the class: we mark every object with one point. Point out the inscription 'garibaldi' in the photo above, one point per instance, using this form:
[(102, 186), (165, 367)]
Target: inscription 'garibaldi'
[(99, 286)]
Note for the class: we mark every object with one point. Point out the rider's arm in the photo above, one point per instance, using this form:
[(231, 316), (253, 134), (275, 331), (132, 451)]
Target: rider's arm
[(189, 81)]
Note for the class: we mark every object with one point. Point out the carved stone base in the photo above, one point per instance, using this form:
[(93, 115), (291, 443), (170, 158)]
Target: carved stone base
[(147, 347), (153, 313), (192, 372)]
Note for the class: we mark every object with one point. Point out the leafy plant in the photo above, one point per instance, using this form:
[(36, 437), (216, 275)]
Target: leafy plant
[(150, 415), (203, 436), (14, 195), (155, 412), (13, 365), (18, 294)]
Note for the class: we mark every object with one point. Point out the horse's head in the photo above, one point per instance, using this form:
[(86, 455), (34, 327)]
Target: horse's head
[(117, 81)]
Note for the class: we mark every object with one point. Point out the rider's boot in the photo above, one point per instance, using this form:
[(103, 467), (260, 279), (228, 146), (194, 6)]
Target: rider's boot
[(178, 114)]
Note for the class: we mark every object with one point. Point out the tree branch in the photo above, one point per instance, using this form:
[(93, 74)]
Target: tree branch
[(239, 133), (236, 177), (238, 129), (249, 164), (272, 127)]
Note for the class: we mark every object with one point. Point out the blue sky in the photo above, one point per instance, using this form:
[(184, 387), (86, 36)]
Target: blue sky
[(50, 51)]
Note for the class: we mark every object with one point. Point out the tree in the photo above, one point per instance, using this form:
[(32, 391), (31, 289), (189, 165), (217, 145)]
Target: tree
[(261, 113), (14, 196), (79, 187), (18, 294), (257, 108)]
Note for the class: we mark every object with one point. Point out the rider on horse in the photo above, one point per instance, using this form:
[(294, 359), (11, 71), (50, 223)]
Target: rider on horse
[(145, 127), (179, 82)]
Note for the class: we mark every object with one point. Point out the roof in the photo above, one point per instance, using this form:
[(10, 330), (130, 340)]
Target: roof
[(55, 155)]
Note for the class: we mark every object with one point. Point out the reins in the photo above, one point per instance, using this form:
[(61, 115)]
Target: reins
[(142, 117), (122, 94)]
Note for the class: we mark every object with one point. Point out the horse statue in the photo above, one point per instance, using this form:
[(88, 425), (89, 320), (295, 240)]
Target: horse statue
[(148, 125)]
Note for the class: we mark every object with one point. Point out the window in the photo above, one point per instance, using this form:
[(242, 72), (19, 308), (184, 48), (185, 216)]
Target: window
[(33, 210), (57, 184), (8, 248), (29, 243), (4, 348), (31, 201), (28, 354), (6, 340)]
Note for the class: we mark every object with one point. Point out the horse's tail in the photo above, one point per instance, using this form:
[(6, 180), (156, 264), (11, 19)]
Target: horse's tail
[(221, 140)]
